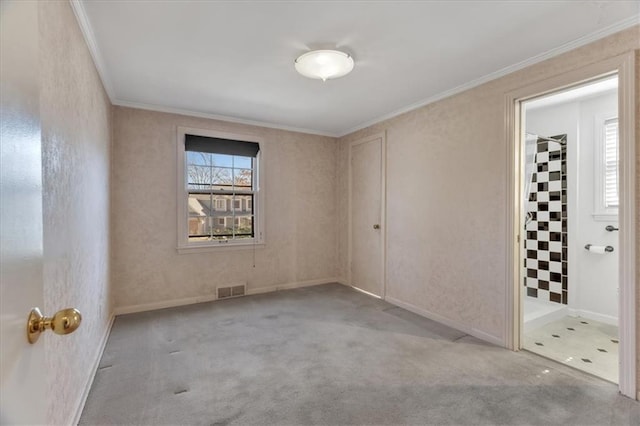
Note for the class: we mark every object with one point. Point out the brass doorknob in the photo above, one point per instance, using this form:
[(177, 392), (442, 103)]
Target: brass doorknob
[(63, 322)]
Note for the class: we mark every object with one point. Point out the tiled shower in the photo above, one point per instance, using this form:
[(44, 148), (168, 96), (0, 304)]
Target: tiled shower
[(546, 258)]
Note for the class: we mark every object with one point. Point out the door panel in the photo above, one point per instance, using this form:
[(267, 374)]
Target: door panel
[(22, 371), (366, 212)]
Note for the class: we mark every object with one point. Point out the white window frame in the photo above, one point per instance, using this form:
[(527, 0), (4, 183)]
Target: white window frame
[(600, 212), (182, 194)]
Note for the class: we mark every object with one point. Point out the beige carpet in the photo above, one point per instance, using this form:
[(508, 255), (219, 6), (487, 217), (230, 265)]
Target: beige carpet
[(328, 355)]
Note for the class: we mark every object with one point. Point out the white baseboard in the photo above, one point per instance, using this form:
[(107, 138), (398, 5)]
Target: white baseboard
[(448, 322), (607, 319), (290, 286), (122, 310), (92, 374), (143, 307)]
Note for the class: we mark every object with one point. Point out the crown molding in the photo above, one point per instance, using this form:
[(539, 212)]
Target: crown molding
[(579, 42), (191, 113), (90, 39)]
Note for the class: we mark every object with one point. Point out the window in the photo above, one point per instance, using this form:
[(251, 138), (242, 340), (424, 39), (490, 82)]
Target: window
[(606, 156), (219, 173), (611, 163)]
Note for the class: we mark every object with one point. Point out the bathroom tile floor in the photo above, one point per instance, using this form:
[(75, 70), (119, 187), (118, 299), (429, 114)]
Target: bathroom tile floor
[(587, 345)]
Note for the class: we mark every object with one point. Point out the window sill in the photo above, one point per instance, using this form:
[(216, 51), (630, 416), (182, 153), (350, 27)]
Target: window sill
[(204, 248)]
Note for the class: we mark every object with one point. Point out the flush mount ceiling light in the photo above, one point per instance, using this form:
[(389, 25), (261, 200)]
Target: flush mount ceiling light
[(324, 64)]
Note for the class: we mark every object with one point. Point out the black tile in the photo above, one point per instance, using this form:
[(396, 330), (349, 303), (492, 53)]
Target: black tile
[(554, 176), (543, 206), (532, 292), (532, 273), (554, 216), (564, 268), (565, 297), (555, 277), (543, 167), (532, 235), (555, 155), (543, 285), (543, 245), (532, 254), (543, 146), (565, 285), (543, 186), (543, 226), (543, 265), (555, 257), (555, 236), (533, 196), (554, 196), (555, 297), (564, 239)]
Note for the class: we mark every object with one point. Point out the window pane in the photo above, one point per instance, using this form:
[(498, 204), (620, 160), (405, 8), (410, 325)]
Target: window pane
[(243, 178), (243, 227), (222, 203), (198, 228), (221, 177), (242, 204), (242, 162), (222, 160), (198, 158), (199, 177), (199, 205)]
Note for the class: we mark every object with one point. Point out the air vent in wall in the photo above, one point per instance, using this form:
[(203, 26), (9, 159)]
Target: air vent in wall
[(232, 291)]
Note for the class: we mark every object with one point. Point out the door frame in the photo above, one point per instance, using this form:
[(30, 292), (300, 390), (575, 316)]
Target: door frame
[(383, 210), (624, 67)]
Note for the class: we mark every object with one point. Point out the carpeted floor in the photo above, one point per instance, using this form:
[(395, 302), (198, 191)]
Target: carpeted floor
[(332, 356)]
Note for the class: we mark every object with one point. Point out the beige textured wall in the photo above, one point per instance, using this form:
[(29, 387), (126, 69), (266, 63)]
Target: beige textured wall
[(76, 139), (447, 191), (300, 213)]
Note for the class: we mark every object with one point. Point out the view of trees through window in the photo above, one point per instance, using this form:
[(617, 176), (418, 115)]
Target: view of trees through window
[(221, 196)]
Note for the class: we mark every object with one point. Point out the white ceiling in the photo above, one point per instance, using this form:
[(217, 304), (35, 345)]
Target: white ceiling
[(234, 60)]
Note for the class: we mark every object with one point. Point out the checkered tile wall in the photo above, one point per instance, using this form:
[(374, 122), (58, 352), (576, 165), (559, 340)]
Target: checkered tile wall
[(546, 239)]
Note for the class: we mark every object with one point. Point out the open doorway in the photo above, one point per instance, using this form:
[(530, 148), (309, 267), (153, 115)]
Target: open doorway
[(570, 247)]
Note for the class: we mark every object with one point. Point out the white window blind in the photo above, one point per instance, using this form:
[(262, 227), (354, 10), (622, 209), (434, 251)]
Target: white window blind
[(611, 163)]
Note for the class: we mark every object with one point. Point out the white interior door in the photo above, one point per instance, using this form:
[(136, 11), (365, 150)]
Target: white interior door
[(22, 365), (366, 246)]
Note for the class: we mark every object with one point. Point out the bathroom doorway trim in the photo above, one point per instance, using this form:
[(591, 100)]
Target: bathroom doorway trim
[(624, 67)]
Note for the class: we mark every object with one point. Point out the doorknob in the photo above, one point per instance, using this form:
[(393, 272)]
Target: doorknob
[(376, 226), (63, 322)]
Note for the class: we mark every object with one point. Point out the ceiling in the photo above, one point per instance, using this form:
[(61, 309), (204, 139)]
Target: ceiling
[(234, 60), (607, 85)]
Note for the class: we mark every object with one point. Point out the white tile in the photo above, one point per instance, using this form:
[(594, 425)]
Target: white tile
[(543, 255), (555, 267), (555, 226), (555, 185), (543, 177), (543, 275), (555, 206), (543, 295), (555, 165), (532, 264), (555, 246), (531, 244), (543, 216), (555, 287), (542, 157), (543, 196), (543, 235)]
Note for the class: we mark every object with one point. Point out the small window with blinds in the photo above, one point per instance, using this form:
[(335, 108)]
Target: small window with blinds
[(606, 169), (219, 203), (611, 195)]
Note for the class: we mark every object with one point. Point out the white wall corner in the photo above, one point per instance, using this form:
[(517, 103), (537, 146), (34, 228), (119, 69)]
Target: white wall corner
[(92, 45)]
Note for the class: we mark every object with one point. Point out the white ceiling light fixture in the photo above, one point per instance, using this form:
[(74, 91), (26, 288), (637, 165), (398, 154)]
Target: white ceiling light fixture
[(324, 64)]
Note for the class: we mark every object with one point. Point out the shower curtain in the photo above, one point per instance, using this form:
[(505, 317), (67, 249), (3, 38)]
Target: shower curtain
[(530, 151)]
